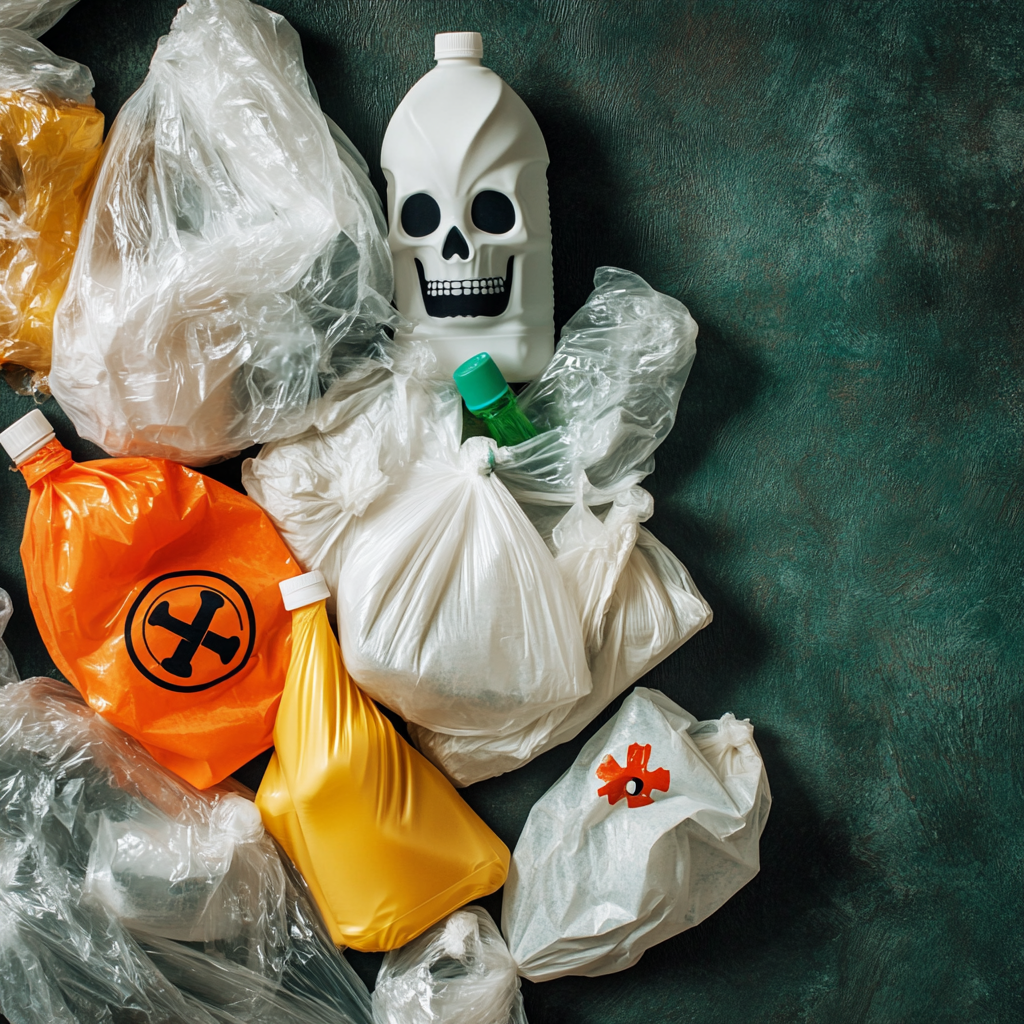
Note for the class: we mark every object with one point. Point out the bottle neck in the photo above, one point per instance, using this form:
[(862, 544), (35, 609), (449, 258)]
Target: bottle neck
[(459, 62), (52, 456)]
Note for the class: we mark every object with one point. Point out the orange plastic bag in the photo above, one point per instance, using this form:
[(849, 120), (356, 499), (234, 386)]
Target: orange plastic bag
[(387, 846), (155, 590), (50, 139)]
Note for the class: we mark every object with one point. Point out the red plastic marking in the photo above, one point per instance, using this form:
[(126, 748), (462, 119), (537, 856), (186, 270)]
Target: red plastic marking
[(617, 779)]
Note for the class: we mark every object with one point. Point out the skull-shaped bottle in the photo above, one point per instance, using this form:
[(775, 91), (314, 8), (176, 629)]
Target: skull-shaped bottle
[(470, 231)]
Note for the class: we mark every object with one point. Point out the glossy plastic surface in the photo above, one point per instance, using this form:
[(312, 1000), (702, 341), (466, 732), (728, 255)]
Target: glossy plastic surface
[(50, 138), (125, 894), (386, 844), (155, 590), (234, 249)]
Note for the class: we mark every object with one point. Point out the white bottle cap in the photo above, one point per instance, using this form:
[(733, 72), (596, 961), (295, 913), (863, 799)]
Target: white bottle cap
[(308, 588), (26, 436), (458, 44)]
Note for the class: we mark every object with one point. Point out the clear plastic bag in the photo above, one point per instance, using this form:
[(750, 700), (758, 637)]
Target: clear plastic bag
[(450, 607), (8, 670), (605, 402), (94, 829), (50, 138), (656, 824), (33, 16), (234, 255), (458, 972)]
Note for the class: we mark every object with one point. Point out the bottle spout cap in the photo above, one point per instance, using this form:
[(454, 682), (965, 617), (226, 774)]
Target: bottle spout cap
[(479, 382), (458, 44), (308, 588), (26, 436)]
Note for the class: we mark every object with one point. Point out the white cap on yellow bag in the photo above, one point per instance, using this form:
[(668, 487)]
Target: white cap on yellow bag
[(308, 588), (26, 436)]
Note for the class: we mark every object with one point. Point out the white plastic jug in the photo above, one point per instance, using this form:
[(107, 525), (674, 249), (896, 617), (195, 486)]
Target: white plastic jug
[(470, 231)]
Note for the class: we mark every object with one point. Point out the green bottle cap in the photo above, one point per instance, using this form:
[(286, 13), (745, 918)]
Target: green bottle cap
[(480, 382)]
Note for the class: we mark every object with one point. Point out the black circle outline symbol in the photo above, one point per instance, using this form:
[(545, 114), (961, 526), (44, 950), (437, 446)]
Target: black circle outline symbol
[(137, 603)]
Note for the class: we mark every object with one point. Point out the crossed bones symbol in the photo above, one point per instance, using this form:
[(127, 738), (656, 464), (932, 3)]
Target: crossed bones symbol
[(194, 634)]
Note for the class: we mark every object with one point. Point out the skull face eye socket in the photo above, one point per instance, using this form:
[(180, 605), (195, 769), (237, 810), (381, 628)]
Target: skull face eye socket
[(493, 212), (420, 215)]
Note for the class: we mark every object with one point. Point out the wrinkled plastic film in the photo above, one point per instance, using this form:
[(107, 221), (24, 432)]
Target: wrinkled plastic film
[(258, 951), (608, 397), (33, 16), (50, 137), (458, 972), (217, 316), (8, 670)]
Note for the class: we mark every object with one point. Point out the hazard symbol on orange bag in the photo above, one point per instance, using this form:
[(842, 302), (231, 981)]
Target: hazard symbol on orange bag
[(155, 590)]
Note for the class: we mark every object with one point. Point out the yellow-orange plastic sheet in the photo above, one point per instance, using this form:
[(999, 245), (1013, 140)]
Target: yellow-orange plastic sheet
[(48, 152)]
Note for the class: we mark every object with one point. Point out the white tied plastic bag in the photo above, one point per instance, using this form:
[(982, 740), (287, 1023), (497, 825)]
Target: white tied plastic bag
[(234, 252), (656, 824), (450, 607), (458, 972), (605, 402)]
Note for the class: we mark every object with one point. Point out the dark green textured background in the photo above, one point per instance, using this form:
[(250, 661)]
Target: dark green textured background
[(835, 192)]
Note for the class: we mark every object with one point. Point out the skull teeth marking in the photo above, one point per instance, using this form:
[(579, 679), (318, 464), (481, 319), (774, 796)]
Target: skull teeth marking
[(481, 296)]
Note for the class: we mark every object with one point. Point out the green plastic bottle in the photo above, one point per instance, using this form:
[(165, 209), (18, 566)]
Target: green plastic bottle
[(489, 398)]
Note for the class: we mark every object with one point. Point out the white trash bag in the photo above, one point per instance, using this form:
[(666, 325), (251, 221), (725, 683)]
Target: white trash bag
[(233, 256), (652, 829), (451, 610), (458, 972), (606, 401)]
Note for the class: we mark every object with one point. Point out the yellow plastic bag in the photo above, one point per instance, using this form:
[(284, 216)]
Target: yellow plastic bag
[(50, 138), (387, 846)]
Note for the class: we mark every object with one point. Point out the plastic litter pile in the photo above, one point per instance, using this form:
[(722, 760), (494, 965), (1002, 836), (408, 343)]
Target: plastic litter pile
[(473, 559)]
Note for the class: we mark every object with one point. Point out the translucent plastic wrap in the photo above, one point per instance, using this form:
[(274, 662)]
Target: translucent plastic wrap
[(451, 609), (109, 864), (233, 255), (605, 402), (50, 137), (8, 670), (656, 824), (459, 972), (608, 397), (33, 16), (348, 799)]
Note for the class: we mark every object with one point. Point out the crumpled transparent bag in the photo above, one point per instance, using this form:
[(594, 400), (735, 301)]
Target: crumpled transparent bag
[(234, 254), (50, 138), (605, 402), (33, 16), (8, 670), (450, 607), (124, 892), (458, 972), (656, 824)]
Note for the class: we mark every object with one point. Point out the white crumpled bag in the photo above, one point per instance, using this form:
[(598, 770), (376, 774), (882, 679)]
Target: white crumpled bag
[(33, 16), (450, 608), (232, 244), (458, 972), (606, 400), (652, 829)]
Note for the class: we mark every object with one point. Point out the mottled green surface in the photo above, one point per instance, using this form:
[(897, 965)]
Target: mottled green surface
[(835, 192)]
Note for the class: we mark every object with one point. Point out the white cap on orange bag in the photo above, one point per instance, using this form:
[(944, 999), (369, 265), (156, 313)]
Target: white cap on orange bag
[(26, 436)]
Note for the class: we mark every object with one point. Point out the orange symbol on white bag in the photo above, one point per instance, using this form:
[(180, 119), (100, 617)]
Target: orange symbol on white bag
[(634, 782)]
